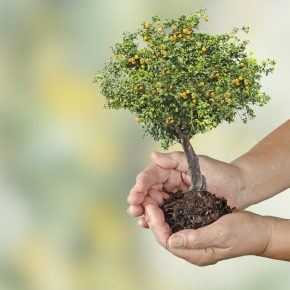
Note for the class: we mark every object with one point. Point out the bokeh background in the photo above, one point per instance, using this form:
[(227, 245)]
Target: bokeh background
[(66, 164)]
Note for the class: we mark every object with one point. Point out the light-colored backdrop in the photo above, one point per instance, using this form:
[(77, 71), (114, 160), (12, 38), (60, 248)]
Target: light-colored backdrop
[(66, 165)]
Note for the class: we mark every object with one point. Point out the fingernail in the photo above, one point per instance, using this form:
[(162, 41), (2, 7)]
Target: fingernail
[(128, 210), (176, 242)]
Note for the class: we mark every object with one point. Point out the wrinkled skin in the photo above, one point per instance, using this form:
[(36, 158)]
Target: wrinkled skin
[(205, 246)]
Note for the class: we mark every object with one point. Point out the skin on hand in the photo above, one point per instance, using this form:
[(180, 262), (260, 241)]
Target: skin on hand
[(256, 176), (233, 235), (170, 170)]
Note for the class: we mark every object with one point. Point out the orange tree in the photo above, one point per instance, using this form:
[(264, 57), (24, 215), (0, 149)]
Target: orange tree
[(180, 81)]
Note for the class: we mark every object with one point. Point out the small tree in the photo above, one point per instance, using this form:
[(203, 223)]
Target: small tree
[(180, 81)]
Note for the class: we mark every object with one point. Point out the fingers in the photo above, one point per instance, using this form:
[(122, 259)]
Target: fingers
[(156, 195), (175, 160), (142, 223), (150, 176), (135, 210), (135, 197), (169, 172), (155, 219), (151, 182), (228, 237), (138, 210), (196, 246), (207, 237)]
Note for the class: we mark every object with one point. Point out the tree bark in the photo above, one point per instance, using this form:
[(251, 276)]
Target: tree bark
[(198, 182)]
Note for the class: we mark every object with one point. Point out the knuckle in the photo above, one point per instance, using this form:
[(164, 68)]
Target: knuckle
[(153, 169), (155, 196), (175, 155), (130, 195), (148, 200), (132, 190), (133, 198), (178, 154), (149, 171), (193, 240), (140, 176)]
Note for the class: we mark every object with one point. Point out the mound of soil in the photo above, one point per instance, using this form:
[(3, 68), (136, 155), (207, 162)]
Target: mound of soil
[(193, 209)]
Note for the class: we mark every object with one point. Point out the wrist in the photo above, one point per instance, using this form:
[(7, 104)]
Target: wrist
[(268, 228), (278, 239), (252, 182), (242, 198)]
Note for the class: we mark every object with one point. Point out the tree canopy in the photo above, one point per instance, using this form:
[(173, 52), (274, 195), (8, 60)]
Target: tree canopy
[(171, 73)]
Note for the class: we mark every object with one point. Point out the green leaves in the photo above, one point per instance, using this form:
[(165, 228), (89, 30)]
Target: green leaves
[(169, 72)]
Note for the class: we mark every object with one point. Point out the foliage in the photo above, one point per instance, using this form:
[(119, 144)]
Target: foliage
[(171, 72)]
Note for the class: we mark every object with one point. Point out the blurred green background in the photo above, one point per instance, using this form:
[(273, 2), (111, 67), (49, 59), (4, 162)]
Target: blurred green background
[(66, 165)]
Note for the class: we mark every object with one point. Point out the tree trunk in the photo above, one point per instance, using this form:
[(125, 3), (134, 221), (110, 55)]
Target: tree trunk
[(198, 182)]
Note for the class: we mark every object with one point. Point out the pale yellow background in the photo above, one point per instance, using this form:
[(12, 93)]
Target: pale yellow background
[(66, 165)]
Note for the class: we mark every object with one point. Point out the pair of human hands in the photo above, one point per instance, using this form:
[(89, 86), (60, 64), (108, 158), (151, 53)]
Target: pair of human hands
[(237, 234)]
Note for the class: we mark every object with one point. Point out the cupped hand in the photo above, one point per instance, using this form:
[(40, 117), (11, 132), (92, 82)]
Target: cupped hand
[(170, 171), (233, 235)]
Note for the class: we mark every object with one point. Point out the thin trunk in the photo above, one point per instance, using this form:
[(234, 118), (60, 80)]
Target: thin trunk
[(198, 182)]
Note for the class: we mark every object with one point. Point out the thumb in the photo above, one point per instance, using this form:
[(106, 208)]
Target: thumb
[(175, 160), (201, 238)]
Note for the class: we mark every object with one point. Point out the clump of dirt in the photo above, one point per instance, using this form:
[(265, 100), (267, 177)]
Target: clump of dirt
[(193, 209)]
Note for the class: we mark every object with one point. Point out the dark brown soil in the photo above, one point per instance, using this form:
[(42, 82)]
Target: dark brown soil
[(193, 209)]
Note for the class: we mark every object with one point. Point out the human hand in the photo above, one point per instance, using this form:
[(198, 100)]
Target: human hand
[(233, 235), (170, 171)]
